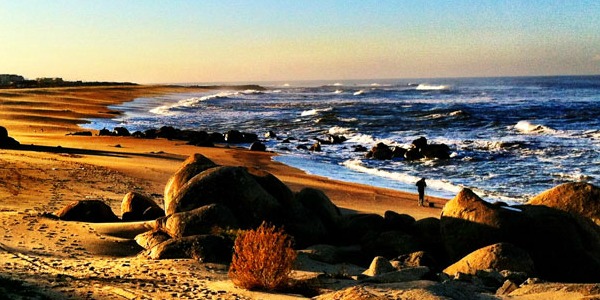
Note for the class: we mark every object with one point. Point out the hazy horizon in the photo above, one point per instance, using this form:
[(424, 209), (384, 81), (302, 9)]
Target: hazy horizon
[(277, 41)]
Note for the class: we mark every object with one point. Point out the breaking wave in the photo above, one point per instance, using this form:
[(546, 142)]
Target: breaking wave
[(529, 128), (442, 185), (168, 110), (316, 111), (428, 87)]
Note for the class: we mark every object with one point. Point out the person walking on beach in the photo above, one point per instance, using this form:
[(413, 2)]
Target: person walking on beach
[(421, 184)]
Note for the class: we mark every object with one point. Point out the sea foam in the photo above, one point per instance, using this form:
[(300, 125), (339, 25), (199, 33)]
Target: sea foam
[(527, 127), (429, 87), (169, 110), (441, 185), (315, 111)]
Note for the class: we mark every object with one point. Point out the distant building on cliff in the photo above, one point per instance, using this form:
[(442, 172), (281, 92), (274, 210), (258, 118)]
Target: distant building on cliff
[(11, 79)]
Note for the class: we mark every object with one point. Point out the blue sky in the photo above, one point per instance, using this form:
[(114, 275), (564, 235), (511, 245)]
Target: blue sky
[(203, 41)]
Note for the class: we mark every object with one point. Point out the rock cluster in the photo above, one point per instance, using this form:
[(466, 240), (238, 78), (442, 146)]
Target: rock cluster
[(563, 246), (473, 241), (192, 137), (419, 149), (134, 207), (6, 141)]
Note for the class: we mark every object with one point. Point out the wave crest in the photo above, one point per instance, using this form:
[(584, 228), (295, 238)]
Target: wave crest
[(315, 111), (429, 87), (527, 127)]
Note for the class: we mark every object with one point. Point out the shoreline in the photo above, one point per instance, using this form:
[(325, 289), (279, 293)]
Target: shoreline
[(52, 169), (49, 126), (52, 259)]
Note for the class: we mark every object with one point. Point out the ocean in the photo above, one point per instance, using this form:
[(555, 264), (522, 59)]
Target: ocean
[(510, 138)]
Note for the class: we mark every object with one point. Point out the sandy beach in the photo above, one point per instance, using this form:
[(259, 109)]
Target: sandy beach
[(45, 258), (71, 259)]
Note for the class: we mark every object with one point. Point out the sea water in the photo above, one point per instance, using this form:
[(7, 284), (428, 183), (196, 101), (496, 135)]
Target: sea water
[(510, 138)]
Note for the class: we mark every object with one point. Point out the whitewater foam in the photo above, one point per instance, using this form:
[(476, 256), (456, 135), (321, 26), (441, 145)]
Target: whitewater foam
[(315, 111), (337, 130), (429, 87), (169, 110), (441, 185), (529, 128), (365, 139)]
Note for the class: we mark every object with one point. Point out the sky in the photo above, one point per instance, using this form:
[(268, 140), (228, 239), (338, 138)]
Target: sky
[(147, 41)]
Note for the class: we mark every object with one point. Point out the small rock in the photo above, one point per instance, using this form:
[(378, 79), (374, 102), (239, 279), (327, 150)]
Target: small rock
[(506, 288)]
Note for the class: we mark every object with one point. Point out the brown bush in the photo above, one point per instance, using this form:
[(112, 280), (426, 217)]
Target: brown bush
[(262, 259)]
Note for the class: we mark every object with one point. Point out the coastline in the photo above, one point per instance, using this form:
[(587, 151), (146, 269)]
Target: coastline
[(44, 258), (51, 169), (44, 121)]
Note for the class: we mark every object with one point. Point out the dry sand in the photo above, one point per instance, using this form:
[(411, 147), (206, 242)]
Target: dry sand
[(56, 259)]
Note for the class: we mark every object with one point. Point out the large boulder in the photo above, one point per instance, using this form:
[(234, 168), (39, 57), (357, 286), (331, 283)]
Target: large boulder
[(564, 247), (197, 221), (191, 167), (167, 132), (380, 151), (7, 141), (299, 221), (138, 207), (426, 232), (413, 154), (574, 243), (501, 256), (304, 225), (94, 211), (468, 223), (236, 137), (420, 143), (200, 138), (359, 228), (389, 244), (233, 187), (319, 204), (3, 132), (149, 239), (416, 259), (273, 186), (206, 248), (576, 197), (121, 131), (258, 146), (439, 151), (396, 221)]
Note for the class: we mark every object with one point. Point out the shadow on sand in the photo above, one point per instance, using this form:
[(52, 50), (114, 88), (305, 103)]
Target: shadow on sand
[(77, 151)]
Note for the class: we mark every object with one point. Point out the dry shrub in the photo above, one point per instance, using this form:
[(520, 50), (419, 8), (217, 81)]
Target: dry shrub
[(262, 259)]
